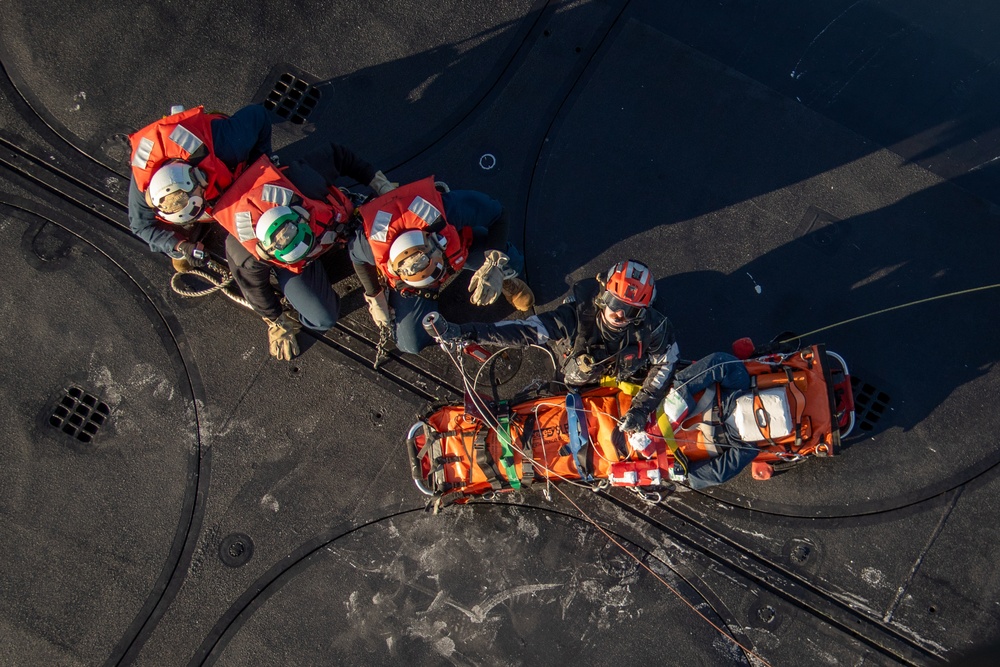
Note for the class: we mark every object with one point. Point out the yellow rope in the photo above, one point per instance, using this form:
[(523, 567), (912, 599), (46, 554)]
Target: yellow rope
[(899, 307)]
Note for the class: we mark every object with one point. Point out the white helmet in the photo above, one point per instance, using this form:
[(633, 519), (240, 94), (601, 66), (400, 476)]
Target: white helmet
[(186, 183), (416, 257), (283, 233)]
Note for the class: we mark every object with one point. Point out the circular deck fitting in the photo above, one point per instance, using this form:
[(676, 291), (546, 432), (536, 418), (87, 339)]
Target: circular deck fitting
[(236, 549)]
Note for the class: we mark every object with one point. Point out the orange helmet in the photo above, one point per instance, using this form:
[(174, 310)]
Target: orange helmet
[(629, 289)]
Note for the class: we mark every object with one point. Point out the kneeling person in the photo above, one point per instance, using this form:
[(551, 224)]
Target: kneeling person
[(181, 164), (281, 221), (417, 240)]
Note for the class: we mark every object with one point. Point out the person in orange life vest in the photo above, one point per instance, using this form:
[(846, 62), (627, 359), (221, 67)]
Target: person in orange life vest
[(280, 221), (180, 165), (411, 244)]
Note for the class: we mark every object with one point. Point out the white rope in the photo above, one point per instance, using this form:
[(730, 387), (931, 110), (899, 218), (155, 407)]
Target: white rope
[(219, 283)]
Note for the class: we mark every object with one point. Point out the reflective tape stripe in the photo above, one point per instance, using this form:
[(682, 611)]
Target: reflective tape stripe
[(244, 226), (142, 152), (666, 369), (532, 322), (185, 139), (669, 356), (631, 268), (380, 226), (295, 255), (277, 195), (424, 210)]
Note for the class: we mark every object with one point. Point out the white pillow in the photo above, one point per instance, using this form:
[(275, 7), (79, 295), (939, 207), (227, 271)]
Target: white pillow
[(748, 425)]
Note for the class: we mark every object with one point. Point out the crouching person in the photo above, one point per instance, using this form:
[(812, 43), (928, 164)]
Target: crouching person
[(181, 164), (415, 241), (281, 221), (607, 327)]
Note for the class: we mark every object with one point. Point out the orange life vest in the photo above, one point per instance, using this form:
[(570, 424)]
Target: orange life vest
[(183, 136), (414, 206), (263, 186)]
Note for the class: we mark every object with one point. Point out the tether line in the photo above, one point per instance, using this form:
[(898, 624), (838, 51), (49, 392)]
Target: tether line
[(899, 307)]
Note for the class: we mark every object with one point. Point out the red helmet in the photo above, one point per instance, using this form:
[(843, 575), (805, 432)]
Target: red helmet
[(629, 289), (631, 282)]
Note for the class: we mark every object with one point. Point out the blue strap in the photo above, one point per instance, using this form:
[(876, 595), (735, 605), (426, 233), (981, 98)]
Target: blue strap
[(579, 436)]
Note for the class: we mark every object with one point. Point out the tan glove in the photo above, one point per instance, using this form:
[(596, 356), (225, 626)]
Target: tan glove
[(378, 307), (281, 337), (487, 283), (381, 184)]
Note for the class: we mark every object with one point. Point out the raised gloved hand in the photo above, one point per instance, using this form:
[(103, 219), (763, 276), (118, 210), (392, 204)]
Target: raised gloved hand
[(487, 283), (194, 253), (381, 184), (378, 307), (633, 421), (281, 337)]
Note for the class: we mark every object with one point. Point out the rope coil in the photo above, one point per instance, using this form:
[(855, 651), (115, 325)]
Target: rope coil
[(216, 275)]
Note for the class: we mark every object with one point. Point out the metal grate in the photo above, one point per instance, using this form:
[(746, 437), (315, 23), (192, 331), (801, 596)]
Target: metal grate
[(79, 414), (292, 98), (870, 404)]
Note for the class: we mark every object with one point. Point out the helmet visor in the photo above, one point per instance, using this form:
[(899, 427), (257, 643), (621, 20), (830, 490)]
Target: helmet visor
[(413, 265), (284, 235), (625, 311), (180, 207)]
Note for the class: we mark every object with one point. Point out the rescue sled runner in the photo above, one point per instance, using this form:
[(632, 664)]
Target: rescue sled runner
[(800, 405)]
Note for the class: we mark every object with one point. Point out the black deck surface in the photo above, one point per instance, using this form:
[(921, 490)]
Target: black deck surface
[(782, 166)]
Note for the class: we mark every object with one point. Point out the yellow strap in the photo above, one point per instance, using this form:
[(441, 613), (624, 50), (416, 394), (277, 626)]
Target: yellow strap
[(668, 435), (629, 388), (668, 432)]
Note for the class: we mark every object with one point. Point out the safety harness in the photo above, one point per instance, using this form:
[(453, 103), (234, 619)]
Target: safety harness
[(589, 340)]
